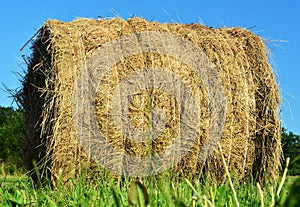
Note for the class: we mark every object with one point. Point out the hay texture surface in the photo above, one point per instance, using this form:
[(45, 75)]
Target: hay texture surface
[(144, 116)]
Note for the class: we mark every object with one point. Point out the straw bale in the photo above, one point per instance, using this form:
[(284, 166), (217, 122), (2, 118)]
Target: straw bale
[(250, 138)]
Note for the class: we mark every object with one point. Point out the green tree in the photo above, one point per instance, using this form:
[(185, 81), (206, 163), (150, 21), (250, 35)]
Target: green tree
[(291, 148), (11, 135)]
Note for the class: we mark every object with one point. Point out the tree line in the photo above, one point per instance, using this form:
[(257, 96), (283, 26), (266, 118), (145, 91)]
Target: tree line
[(291, 148), (12, 138)]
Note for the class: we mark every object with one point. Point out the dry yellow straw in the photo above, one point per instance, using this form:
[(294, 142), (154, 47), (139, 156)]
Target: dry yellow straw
[(229, 177), (283, 177), (62, 51)]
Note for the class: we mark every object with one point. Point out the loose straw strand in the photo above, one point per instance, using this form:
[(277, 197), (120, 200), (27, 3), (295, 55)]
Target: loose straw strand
[(283, 177), (229, 178)]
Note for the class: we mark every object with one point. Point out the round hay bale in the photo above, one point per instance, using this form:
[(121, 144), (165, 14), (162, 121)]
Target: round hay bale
[(112, 93)]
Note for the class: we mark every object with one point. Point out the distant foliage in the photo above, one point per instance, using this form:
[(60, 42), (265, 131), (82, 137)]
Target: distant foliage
[(12, 135), (291, 148)]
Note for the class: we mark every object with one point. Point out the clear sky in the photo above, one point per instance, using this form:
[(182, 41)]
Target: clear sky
[(271, 19)]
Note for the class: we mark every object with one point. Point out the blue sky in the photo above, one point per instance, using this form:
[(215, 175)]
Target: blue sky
[(272, 20)]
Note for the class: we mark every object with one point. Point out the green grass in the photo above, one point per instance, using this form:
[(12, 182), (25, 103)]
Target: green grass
[(19, 190)]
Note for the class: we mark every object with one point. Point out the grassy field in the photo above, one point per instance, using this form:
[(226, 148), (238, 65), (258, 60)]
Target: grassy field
[(19, 190)]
